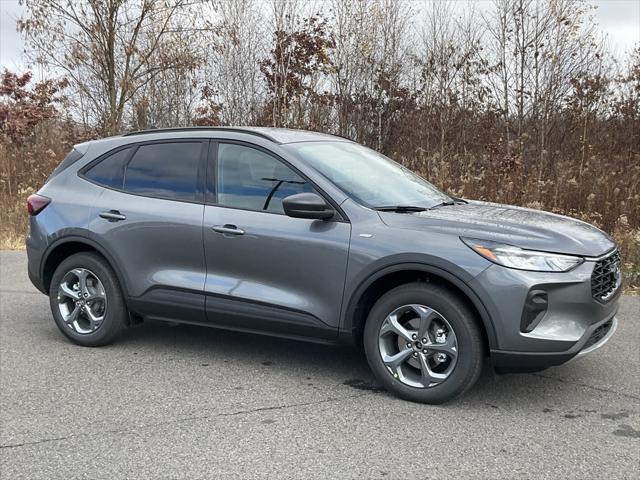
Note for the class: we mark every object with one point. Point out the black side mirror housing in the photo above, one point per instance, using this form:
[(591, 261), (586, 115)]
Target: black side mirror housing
[(307, 205)]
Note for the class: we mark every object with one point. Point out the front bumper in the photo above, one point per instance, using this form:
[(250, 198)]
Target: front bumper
[(568, 328), (518, 362)]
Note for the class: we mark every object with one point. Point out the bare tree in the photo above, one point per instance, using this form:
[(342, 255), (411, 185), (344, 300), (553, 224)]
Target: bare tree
[(451, 71), (299, 57), (538, 48), (371, 49), (236, 45), (108, 49)]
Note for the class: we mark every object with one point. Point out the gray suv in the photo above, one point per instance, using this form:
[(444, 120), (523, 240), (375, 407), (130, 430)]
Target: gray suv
[(314, 237)]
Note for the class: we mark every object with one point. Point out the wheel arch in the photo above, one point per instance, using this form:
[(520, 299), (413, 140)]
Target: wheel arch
[(69, 245), (391, 276)]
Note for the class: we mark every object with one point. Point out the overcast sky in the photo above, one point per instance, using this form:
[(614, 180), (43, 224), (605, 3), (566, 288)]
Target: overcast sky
[(618, 19)]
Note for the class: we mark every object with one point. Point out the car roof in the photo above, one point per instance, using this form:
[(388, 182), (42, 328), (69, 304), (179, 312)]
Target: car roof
[(276, 135)]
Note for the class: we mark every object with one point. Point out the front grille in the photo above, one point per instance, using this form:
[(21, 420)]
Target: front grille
[(606, 277), (598, 334)]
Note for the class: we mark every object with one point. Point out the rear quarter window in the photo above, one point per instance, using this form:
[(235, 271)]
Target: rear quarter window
[(109, 172)]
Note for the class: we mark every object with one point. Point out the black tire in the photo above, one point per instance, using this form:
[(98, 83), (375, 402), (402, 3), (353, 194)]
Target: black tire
[(115, 317), (469, 337)]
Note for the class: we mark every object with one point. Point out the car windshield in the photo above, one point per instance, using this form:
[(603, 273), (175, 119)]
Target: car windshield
[(368, 176)]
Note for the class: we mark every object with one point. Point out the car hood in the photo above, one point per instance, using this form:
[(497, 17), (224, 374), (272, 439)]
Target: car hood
[(522, 227)]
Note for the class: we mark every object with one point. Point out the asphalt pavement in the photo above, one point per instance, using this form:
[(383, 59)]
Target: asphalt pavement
[(191, 402)]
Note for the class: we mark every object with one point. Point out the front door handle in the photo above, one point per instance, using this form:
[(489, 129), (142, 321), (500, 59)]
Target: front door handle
[(228, 229), (113, 215)]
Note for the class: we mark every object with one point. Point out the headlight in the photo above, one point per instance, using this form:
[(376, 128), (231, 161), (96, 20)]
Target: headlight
[(515, 257)]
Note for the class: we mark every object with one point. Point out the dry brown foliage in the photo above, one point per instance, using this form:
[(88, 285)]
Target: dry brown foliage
[(521, 104)]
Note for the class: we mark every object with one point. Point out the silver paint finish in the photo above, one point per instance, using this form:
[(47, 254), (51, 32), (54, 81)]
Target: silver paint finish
[(522, 227), (292, 263), (572, 310), (71, 210), (159, 244), (599, 344), (318, 268)]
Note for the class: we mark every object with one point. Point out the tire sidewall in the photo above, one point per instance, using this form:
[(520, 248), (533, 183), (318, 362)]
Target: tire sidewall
[(116, 311), (461, 320)]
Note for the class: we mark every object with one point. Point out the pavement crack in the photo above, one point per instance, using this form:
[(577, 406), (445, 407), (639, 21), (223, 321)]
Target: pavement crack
[(44, 440), (22, 292), (258, 409), (586, 385), (183, 420)]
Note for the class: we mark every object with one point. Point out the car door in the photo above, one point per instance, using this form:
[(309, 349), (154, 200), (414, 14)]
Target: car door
[(267, 271), (149, 219)]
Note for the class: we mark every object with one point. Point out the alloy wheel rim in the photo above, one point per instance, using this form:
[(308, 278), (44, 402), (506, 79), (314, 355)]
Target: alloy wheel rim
[(418, 346), (82, 301)]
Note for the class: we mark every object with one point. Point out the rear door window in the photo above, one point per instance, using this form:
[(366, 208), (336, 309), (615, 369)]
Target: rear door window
[(165, 170)]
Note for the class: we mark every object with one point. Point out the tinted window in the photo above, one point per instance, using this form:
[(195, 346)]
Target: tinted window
[(167, 170), (109, 172), (250, 179)]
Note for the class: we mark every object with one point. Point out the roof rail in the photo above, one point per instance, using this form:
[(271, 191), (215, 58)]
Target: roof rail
[(249, 131)]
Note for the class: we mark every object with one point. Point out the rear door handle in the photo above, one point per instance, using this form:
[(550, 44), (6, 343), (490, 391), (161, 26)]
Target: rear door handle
[(228, 229), (113, 215)]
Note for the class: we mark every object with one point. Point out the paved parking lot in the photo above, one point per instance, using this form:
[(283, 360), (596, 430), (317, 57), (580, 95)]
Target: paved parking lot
[(190, 402)]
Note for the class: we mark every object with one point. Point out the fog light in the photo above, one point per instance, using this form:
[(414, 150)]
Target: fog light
[(534, 309)]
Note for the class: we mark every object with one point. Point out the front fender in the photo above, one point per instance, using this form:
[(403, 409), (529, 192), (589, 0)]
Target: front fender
[(413, 262)]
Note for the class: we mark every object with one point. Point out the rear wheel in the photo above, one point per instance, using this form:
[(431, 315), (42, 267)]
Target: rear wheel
[(423, 344), (86, 300)]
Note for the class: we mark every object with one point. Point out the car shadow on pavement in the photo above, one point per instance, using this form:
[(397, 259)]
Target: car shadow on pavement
[(331, 365), (241, 347)]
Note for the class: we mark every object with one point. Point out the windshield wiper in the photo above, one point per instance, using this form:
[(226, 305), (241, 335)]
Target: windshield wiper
[(443, 204), (415, 208), (401, 208), (448, 203)]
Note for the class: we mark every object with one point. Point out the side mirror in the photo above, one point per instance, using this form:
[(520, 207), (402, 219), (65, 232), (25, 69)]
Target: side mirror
[(307, 205)]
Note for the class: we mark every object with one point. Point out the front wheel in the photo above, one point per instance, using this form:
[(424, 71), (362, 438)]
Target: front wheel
[(423, 344)]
